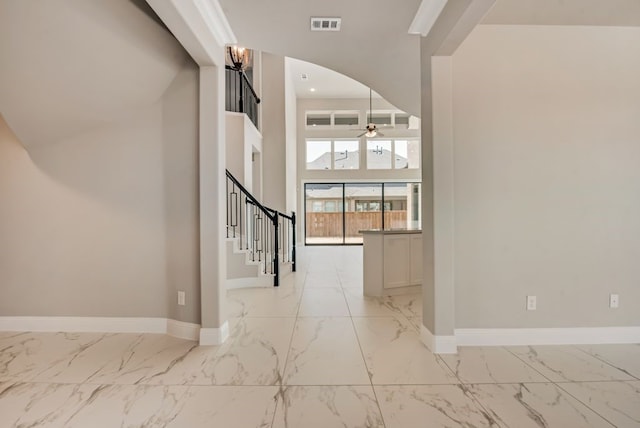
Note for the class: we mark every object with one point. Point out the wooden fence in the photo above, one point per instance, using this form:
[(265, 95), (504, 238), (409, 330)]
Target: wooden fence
[(321, 225)]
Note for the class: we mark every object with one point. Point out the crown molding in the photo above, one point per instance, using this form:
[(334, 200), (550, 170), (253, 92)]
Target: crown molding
[(216, 21), (200, 26), (427, 14)]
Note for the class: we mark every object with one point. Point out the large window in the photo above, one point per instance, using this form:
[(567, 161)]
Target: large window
[(381, 153), (335, 213), (393, 154), (333, 154), (319, 154), (346, 154)]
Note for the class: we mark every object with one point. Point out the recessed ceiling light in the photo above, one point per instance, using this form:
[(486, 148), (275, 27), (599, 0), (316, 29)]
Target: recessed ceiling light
[(312, 89)]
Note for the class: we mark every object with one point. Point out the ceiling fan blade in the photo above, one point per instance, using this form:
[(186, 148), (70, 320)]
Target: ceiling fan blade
[(380, 134), (362, 135)]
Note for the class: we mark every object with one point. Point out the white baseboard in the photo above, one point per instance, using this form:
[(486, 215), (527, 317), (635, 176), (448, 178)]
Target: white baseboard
[(262, 281), (214, 336), (438, 344), (546, 336), (172, 327), (84, 324), (183, 330)]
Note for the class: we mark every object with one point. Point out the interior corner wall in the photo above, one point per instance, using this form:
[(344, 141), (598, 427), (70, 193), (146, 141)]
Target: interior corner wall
[(291, 110), (546, 179), (181, 197), (83, 223), (274, 133), (105, 224)]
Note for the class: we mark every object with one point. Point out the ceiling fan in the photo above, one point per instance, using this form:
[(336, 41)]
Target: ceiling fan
[(372, 129)]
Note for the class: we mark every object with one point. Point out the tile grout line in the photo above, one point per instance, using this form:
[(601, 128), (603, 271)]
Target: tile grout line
[(556, 384), (602, 359), (582, 402), (474, 398), (286, 358), (355, 332), (527, 364)]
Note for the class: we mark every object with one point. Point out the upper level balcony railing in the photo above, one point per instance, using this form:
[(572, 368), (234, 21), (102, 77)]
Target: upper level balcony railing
[(239, 94)]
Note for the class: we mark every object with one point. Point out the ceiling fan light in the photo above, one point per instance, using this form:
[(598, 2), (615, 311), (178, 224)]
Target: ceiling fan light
[(371, 133)]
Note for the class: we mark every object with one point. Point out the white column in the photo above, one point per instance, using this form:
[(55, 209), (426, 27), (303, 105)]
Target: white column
[(443, 200), (437, 204), (213, 272)]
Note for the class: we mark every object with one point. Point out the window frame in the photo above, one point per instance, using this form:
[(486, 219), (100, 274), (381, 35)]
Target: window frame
[(393, 151)]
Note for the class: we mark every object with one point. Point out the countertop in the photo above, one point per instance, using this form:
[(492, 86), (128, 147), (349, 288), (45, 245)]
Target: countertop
[(391, 231)]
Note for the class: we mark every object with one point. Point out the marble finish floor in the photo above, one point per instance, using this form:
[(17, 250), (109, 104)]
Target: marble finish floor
[(312, 353)]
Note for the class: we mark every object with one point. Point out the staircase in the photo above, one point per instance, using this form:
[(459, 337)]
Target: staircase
[(261, 242)]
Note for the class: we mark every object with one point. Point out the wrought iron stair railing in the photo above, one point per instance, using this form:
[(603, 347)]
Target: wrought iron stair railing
[(267, 235), (240, 97)]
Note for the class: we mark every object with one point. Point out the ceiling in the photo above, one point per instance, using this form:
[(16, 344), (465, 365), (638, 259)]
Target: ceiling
[(614, 13), (325, 82), (372, 46)]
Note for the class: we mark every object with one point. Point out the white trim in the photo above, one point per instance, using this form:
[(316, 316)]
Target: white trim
[(84, 324), (216, 21), (427, 14), (183, 330), (171, 327), (199, 25), (546, 336), (214, 336), (262, 281), (438, 344)]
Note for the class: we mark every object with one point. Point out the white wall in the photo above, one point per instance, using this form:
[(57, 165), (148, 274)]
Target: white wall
[(273, 127), (291, 123), (242, 140), (547, 176)]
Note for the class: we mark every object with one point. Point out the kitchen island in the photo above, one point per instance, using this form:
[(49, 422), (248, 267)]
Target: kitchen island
[(392, 261)]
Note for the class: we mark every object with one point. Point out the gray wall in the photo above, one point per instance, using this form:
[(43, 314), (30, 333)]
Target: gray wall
[(99, 216), (547, 177), (181, 198)]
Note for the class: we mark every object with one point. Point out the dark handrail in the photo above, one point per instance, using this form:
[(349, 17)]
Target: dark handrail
[(246, 80), (266, 233), (240, 96), (292, 219), (279, 213), (249, 196)]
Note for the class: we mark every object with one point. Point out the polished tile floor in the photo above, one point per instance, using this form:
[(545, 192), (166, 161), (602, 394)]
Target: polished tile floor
[(313, 353)]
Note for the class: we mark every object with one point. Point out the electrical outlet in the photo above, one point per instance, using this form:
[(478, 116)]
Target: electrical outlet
[(181, 296), (614, 301), (531, 303)]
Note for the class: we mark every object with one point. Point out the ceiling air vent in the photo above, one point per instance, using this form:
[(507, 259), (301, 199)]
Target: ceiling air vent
[(325, 24)]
